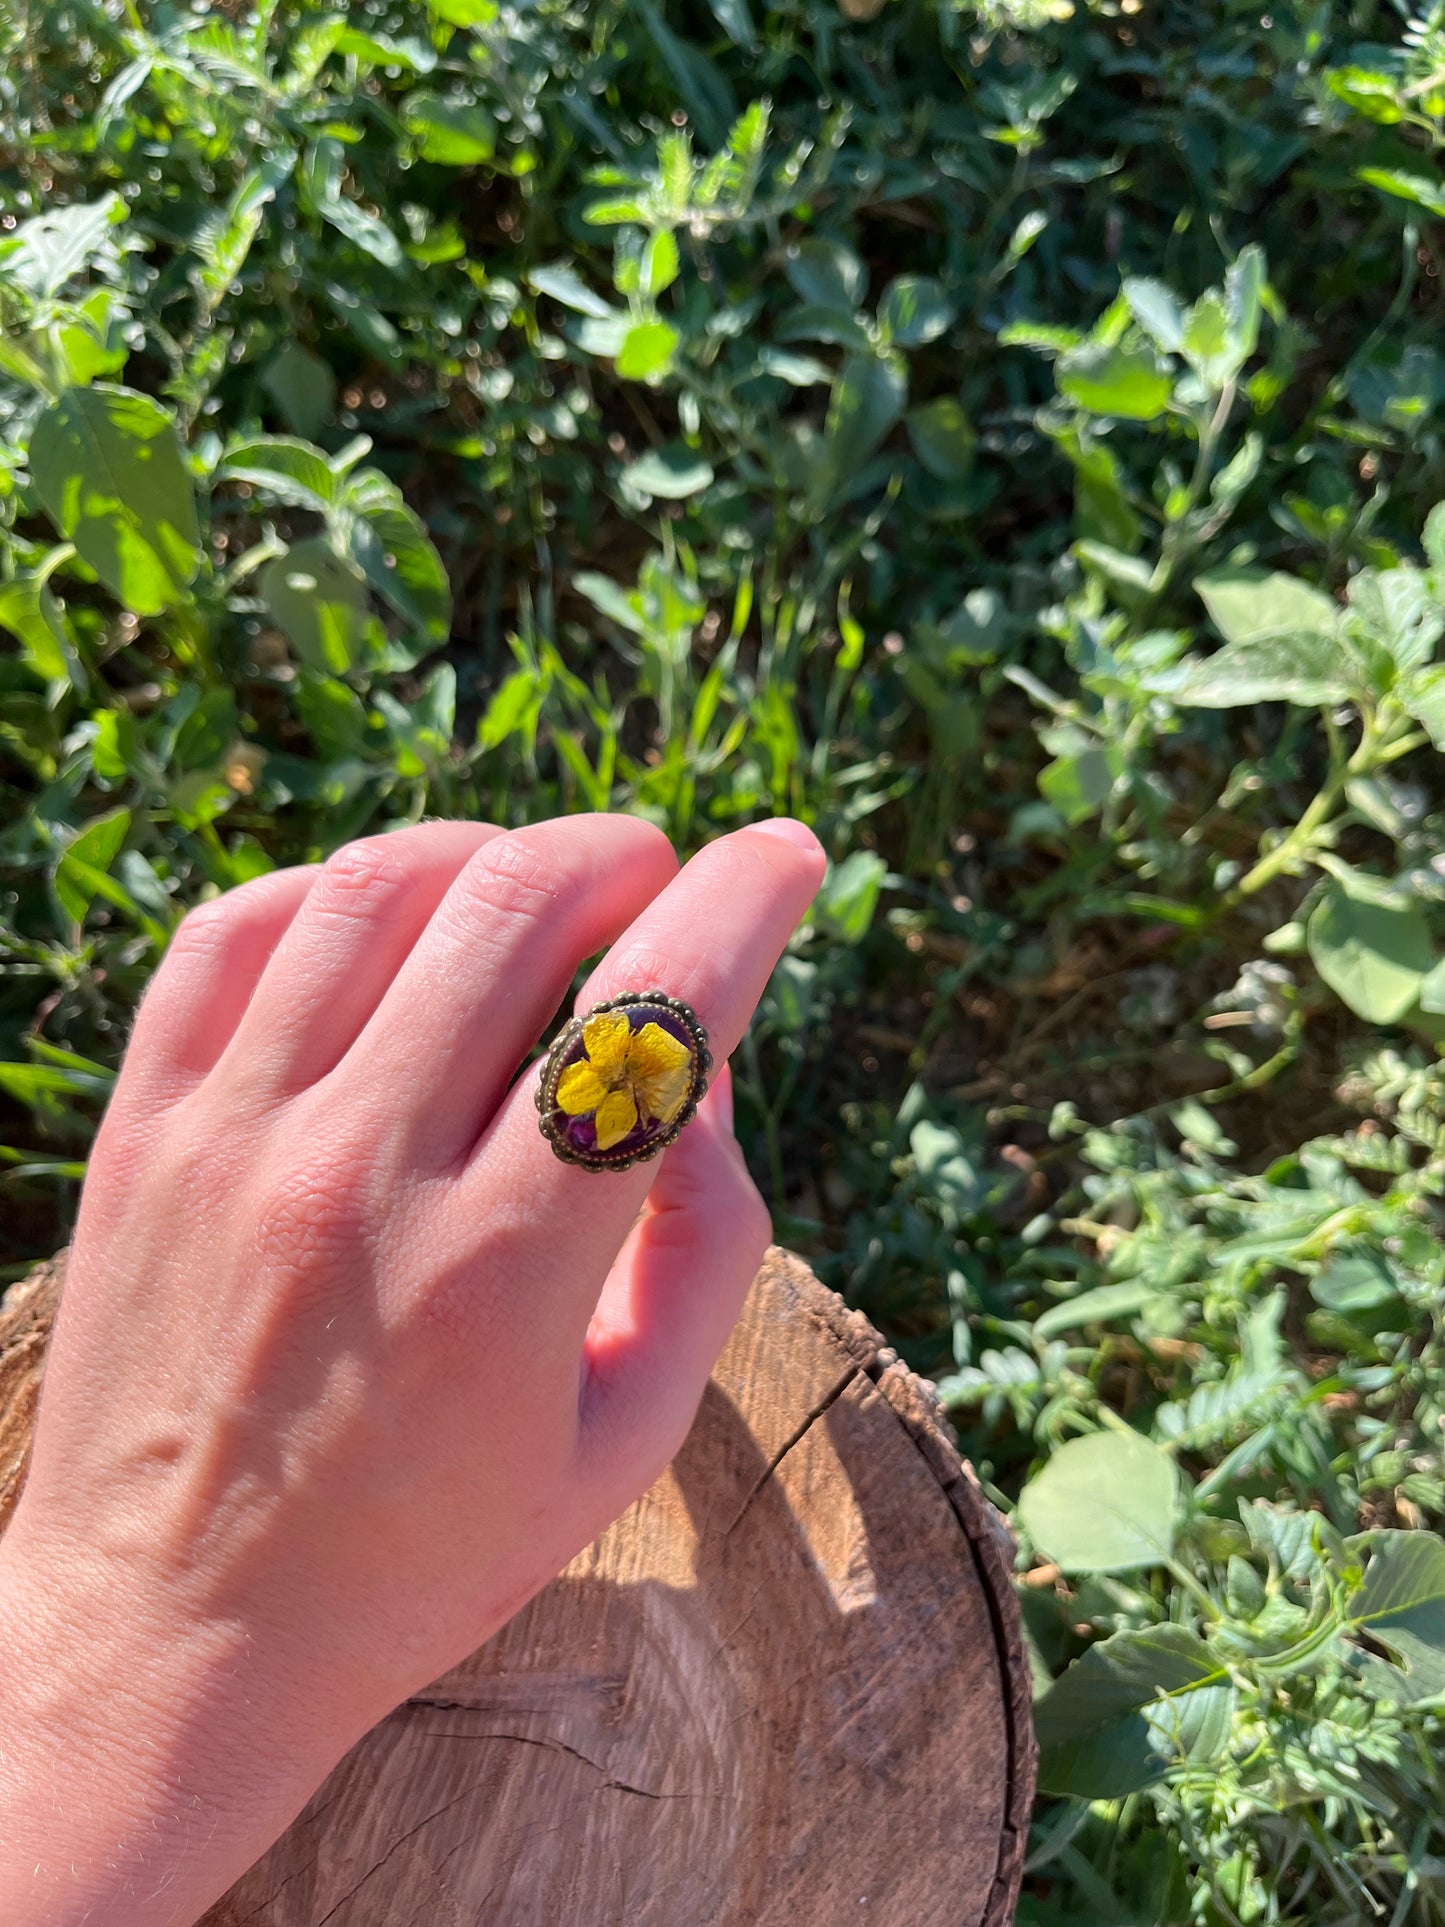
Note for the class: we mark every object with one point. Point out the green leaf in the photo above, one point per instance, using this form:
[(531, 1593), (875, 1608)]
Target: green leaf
[(1128, 1710), (562, 281), (1158, 311), (647, 351), (1354, 1281), (660, 263), (1244, 285), (108, 467), (30, 612), (1401, 1605), (1423, 695), (914, 310), (453, 133), (284, 470), (390, 541), (333, 713), (825, 274), (1128, 383), (1371, 945), (1403, 186), (513, 710), (464, 13), (1105, 1503), (943, 438), (94, 850), (867, 399), (671, 473), (1103, 1305), (1398, 610), (319, 599), (42, 254), (1079, 785), (1304, 669), (302, 386), (848, 898), (1247, 603)]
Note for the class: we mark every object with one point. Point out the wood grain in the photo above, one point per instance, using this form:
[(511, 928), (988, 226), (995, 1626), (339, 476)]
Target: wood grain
[(785, 1689)]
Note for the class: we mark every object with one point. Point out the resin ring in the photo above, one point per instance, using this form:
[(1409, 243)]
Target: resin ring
[(620, 1083)]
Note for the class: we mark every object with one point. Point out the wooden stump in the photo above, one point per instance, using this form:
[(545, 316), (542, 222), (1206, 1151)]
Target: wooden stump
[(786, 1689)]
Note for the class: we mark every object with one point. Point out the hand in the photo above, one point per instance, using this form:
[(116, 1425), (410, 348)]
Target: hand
[(349, 1364)]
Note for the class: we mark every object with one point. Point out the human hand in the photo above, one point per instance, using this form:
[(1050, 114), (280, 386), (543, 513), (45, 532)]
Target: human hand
[(348, 1363)]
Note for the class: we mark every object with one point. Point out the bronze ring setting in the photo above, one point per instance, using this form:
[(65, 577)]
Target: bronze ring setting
[(621, 1083)]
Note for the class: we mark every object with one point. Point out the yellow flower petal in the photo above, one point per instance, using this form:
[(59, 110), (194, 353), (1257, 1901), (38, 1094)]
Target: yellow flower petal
[(580, 1089), (616, 1116), (606, 1038), (663, 1095), (654, 1050)]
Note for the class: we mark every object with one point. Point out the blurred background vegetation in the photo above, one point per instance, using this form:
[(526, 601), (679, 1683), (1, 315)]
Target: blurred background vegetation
[(1005, 435)]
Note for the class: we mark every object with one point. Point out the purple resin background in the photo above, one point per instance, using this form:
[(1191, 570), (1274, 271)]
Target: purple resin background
[(581, 1132)]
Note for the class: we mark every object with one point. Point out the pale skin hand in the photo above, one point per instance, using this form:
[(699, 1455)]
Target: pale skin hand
[(349, 1364)]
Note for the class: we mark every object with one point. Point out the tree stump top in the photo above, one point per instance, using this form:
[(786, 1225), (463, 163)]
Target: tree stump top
[(785, 1689)]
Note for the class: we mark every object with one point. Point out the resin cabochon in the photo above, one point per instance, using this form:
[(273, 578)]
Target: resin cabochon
[(576, 1137)]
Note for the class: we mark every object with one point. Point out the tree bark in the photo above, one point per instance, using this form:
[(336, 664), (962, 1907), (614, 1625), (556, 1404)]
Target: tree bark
[(785, 1689)]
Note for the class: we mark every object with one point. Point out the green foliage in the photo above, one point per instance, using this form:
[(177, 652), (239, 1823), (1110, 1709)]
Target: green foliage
[(1007, 435)]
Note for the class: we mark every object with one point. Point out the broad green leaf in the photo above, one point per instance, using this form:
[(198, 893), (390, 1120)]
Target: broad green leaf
[(333, 714), (949, 1168), (1244, 300), (1371, 95), (453, 133), (1079, 785), (647, 351), (225, 237), (1371, 945), (302, 386), (1398, 610), (1105, 1503), (1406, 186), (848, 898), (736, 22), (1244, 604), (95, 849), (1401, 1606), (1125, 382), (943, 438), (1307, 669), (866, 401), (1423, 695), (1433, 541), (319, 600), (1128, 1710), (914, 310), (30, 612), (611, 598), (1355, 1281), (108, 467), (799, 371), (42, 254), (826, 274), (671, 473), (390, 541), (282, 469), (1158, 311)]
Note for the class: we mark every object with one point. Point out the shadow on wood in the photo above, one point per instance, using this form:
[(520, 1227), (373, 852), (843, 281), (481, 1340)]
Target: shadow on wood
[(785, 1689)]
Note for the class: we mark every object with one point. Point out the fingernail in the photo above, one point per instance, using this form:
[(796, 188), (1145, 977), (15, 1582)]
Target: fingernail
[(791, 831)]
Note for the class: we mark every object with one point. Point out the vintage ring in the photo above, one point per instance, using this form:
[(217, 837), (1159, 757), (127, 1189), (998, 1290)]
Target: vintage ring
[(620, 1083)]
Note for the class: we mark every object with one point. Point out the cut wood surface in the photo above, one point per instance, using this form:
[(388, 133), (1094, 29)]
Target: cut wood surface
[(785, 1689)]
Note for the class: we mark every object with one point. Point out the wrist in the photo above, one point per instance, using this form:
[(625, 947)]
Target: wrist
[(145, 1759)]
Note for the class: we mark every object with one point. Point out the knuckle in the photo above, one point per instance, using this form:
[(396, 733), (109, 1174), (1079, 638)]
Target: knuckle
[(515, 879), (363, 877), (642, 966), (314, 1216)]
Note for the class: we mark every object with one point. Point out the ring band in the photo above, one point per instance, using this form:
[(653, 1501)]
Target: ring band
[(621, 1083)]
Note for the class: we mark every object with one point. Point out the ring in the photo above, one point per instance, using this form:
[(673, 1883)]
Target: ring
[(621, 1083)]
